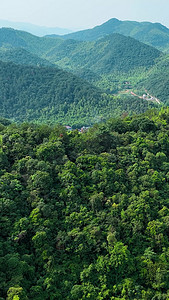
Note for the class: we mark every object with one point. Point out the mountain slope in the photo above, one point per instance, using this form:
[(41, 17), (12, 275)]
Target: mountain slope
[(37, 94), (107, 63), (10, 38), (23, 57), (157, 80), (153, 34), (113, 52)]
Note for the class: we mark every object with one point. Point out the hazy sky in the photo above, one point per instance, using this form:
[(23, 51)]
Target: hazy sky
[(83, 13)]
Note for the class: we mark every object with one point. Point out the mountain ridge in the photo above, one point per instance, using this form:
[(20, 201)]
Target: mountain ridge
[(34, 29), (113, 51), (89, 54), (111, 64), (146, 32)]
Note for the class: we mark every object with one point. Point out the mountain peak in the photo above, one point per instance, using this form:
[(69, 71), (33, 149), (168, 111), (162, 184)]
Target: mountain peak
[(112, 20), (154, 34)]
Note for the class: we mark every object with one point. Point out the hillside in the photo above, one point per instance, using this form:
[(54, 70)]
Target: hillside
[(106, 63), (10, 38), (154, 34), (112, 53), (49, 94), (85, 216), (110, 62), (157, 80), (22, 57), (42, 94)]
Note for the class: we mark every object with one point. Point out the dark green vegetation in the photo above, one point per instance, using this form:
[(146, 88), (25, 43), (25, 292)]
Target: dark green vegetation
[(112, 53), (157, 79), (11, 39), (22, 57), (51, 95), (153, 34), (46, 94), (85, 216)]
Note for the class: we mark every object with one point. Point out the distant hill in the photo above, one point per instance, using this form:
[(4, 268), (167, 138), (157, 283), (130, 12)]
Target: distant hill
[(34, 29), (107, 63), (114, 52), (48, 94), (43, 94), (22, 57), (11, 38), (154, 34)]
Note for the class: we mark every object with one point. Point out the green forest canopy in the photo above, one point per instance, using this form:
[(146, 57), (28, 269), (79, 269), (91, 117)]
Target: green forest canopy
[(85, 216), (45, 94)]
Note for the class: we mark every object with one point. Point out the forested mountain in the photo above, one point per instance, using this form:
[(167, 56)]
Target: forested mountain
[(85, 216), (10, 38), (39, 93), (107, 63), (154, 34), (113, 52), (52, 95), (157, 79), (22, 57)]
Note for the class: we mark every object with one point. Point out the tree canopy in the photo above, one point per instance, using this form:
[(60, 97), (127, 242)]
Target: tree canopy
[(85, 215)]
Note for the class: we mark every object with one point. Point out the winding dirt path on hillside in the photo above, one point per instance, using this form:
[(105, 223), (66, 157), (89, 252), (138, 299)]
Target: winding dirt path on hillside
[(147, 97)]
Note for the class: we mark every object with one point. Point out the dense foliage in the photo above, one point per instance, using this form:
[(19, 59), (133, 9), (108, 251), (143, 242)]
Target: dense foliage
[(85, 215), (113, 52), (22, 57), (157, 80), (49, 94), (10, 38), (52, 95)]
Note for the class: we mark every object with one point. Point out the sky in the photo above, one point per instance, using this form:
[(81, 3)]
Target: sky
[(83, 14)]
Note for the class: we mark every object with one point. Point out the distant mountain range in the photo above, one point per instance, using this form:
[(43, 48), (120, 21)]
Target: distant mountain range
[(34, 29), (114, 52), (105, 55), (154, 34), (109, 71)]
